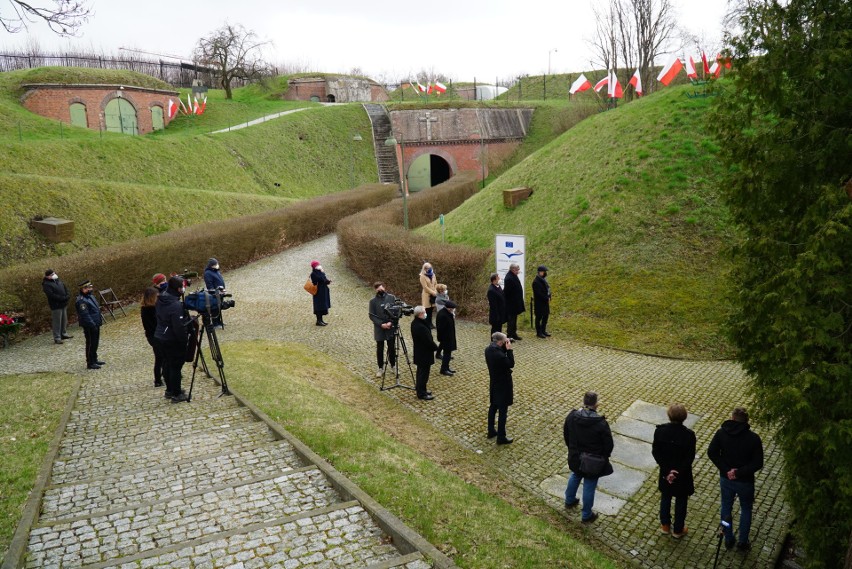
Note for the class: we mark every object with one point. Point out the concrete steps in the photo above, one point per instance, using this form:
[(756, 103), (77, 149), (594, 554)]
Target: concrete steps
[(386, 158)]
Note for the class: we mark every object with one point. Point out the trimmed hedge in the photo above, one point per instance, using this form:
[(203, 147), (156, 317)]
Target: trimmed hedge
[(376, 247), (127, 267)]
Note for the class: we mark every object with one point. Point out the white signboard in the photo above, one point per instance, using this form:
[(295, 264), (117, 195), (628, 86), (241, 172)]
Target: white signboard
[(510, 249)]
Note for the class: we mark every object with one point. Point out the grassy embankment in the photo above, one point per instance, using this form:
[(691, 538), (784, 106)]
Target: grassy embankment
[(625, 216), (117, 187)]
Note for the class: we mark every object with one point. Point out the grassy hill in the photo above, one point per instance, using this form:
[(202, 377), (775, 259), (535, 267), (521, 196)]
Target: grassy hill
[(117, 187), (625, 216)]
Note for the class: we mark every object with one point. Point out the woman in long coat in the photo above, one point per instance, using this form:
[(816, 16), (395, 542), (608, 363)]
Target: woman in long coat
[(674, 451), (429, 284), (322, 299)]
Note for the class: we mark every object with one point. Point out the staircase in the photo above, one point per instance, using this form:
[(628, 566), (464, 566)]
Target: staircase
[(386, 158), (140, 482)]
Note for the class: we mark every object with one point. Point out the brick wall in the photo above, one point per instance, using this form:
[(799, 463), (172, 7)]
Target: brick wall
[(463, 156), (54, 102)]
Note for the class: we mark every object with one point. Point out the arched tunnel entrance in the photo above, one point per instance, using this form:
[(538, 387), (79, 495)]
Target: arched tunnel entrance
[(426, 171)]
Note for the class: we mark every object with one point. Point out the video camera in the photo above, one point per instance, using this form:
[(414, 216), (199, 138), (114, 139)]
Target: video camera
[(187, 276), (397, 309), (208, 302)]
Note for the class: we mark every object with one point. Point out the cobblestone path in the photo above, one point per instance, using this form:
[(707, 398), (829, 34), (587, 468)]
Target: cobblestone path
[(550, 377)]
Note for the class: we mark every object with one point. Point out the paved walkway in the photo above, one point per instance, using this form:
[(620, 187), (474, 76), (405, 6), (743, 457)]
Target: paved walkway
[(550, 378), (264, 118)]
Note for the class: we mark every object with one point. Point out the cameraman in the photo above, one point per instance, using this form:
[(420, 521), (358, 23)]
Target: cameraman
[(382, 326), (214, 282), (172, 322)]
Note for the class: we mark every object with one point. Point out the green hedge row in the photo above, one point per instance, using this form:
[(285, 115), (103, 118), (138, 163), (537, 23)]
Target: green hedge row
[(376, 247), (127, 267)]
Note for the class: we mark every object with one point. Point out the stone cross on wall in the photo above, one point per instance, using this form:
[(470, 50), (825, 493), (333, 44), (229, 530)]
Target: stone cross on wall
[(428, 119)]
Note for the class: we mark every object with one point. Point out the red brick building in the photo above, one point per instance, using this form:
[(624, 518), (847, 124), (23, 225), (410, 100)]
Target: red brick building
[(114, 108), (335, 89)]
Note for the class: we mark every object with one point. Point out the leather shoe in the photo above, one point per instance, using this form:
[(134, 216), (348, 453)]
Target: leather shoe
[(322, 323), (492, 434), (573, 504), (100, 363), (451, 370), (505, 441), (58, 341), (591, 518), (66, 337), (541, 336), (180, 398), (547, 334), (517, 339), (158, 383), (93, 366), (427, 397), (447, 373)]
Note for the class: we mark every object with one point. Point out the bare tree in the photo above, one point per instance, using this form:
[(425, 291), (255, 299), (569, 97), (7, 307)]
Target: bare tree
[(655, 23), (235, 53), (63, 19)]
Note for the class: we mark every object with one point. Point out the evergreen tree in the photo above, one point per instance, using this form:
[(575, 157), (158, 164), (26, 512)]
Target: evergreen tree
[(786, 134)]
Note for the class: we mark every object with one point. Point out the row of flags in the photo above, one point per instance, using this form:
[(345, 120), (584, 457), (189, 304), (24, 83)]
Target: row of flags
[(669, 72), (194, 106), (437, 87)]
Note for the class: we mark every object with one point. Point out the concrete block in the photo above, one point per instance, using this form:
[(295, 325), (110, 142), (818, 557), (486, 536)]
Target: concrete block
[(624, 481), (54, 229), (655, 414), (633, 453)]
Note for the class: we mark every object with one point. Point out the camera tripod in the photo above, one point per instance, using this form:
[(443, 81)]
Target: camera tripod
[(207, 326), (399, 347), (720, 533)]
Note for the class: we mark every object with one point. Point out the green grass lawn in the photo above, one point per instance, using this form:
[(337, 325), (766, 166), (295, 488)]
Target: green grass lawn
[(28, 426), (444, 492)]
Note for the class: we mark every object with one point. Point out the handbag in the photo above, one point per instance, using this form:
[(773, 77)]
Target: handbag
[(310, 287), (592, 465)]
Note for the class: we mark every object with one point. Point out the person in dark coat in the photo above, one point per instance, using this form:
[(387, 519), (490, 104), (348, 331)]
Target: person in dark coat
[(500, 360), (496, 304), (674, 451), (383, 331), (424, 351), (90, 319), (322, 299), (172, 333), (148, 312), (213, 279), (737, 452), (586, 432), (57, 298), (541, 302), (445, 322), (513, 290)]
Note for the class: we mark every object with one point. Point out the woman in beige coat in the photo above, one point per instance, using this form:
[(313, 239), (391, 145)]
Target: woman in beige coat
[(428, 282)]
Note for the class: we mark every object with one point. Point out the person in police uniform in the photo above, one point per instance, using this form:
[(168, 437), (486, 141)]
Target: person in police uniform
[(90, 319)]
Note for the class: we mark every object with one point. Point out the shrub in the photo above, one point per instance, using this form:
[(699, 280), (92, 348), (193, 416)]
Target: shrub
[(376, 247), (127, 267)]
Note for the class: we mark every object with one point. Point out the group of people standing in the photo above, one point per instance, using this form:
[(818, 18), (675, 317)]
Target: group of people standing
[(506, 303), (88, 314)]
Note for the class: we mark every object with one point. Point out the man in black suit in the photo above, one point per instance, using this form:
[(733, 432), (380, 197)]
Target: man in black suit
[(500, 360), (496, 304), (424, 352), (541, 299), (514, 293)]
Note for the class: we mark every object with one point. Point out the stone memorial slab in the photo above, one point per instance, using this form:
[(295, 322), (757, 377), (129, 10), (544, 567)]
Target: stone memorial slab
[(623, 482), (654, 414), (633, 453), (634, 429), (605, 503)]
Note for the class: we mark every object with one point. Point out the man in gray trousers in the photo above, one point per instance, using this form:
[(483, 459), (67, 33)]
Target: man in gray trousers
[(57, 298)]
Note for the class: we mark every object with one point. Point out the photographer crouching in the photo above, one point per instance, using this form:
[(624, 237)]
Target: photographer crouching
[(172, 333), (382, 327)]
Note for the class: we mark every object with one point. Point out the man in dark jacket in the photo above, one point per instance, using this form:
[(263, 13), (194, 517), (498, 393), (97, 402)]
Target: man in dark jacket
[(424, 351), (383, 331), (588, 438), (674, 451), (172, 333), (496, 304), (541, 300), (738, 454), (213, 279), (57, 298), (513, 290), (445, 322), (500, 360), (90, 320)]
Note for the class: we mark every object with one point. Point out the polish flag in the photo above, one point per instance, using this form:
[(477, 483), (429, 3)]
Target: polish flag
[(601, 84), (195, 106), (171, 109), (690, 68), (704, 60), (189, 107), (636, 81), (580, 85), (420, 87), (725, 60), (614, 87), (440, 87), (670, 71), (715, 69), (182, 106)]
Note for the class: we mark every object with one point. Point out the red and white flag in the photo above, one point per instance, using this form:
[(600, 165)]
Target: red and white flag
[(190, 109), (182, 106), (420, 87), (601, 84), (704, 60), (614, 87), (670, 71), (580, 85), (636, 81), (690, 68), (203, 105), (715, 69), (171, 109), (439, 87)]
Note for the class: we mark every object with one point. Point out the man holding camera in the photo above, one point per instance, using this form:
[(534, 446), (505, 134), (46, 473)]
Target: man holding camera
[(424, 351), (172, 333), (500, 360), (383, 331)]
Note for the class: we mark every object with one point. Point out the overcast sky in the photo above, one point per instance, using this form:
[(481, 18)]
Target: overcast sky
[(460, 39)]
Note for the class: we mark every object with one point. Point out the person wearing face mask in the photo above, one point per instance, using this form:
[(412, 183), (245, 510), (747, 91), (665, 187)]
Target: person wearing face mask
[(541, 300), (382, 327), (322, 299), (445, 322), (57, 298), (424, 352), (90, 319), (429, 284), (212, 277), (172, 333)]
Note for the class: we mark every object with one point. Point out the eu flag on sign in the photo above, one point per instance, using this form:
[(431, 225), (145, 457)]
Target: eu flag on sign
[(509, 244)]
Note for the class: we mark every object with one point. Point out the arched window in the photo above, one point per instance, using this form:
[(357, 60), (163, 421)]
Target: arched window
[(78, 115)]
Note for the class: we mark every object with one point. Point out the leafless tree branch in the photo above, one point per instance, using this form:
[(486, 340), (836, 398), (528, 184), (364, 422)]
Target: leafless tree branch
[(64, 19)]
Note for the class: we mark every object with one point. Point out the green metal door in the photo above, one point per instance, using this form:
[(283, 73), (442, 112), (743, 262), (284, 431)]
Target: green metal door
[(420, 174), (157, 118), (120, 117), (78, 115)]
